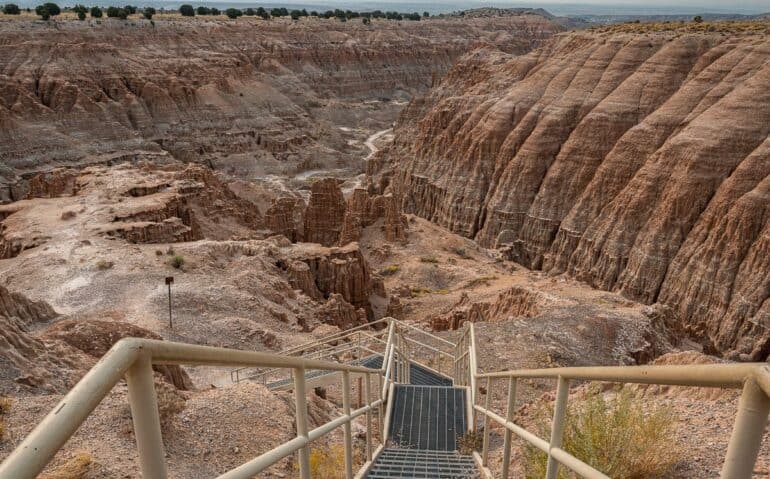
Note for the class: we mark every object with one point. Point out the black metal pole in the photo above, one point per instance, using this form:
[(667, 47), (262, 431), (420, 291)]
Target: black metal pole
[(170, 321)]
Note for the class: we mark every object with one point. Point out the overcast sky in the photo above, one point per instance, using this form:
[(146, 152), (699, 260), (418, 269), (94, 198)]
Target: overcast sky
[(751, 6)]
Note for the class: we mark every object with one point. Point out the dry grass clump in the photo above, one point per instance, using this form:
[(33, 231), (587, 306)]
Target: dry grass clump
[(5, 408), (428, 259), (480, 281), (469, 442), (103, 265), (390, 270), (619, 436), (328, 462), (170, 403), (75, 468)]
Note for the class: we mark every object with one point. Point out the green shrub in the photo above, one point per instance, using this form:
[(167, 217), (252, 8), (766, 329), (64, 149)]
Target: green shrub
[(187, 10), (115, 12), (177, 261), (47, 10), (233, 13), (11, 9), (148, 12), (96, 12), (618, 436)]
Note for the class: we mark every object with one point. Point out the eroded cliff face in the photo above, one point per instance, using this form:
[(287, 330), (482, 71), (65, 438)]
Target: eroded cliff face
[(249, 97), (637, 163)]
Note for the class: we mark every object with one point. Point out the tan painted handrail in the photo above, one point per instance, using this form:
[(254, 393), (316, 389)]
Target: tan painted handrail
[(742, 450), (133, 358)]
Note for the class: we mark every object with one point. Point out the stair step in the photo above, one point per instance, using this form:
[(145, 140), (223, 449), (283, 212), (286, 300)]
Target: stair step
[(417, 463), (427, 417)]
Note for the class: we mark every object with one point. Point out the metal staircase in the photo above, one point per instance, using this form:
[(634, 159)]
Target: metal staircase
[(425, 425), (428, 387)]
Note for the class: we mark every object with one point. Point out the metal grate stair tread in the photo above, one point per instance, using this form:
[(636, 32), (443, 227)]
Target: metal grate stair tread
[(417, 463), (427, 417)]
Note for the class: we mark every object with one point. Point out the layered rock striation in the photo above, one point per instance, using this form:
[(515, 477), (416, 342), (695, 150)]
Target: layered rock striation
[(330, 220), (639, 163), (249, 97)]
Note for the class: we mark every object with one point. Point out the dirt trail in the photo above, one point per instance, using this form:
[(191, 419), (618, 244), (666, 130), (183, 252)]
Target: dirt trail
[(370, 142)]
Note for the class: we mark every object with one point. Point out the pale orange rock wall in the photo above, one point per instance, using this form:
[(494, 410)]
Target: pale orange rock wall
[(637, 163)]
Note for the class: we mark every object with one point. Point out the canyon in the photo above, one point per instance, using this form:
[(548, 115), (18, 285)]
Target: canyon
[(634, 162), (592, 197), (252, 98)]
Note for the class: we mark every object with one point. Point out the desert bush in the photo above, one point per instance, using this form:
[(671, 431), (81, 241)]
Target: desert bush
[(428, 259), (170, 403), (75, 468), (11, 9), (5, 408), (619, 436), (176, 261), (47, 10), (437, 277), (187, 10), (481, 280), (103, 265), (390, 270), (233, 13), (68, 215), (469, 442), (115, 12), (96, 12), (148, 12), (214, 11), (417, 292), (328, 462)]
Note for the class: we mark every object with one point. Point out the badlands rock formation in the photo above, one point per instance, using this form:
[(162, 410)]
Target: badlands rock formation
[(329, 220), (251, 96), (638, 163), (103, 251)]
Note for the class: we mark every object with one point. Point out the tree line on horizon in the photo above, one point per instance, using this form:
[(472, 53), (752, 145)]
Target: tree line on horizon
[(49, 9)]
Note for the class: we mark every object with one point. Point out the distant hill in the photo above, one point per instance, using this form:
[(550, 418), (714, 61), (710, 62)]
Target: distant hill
[(607, 19)]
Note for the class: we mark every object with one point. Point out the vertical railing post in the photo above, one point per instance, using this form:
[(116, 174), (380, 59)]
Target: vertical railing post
[(557, 427), (508, 432), (144, 412), (746, 438), (346, 428), (300, 402), (368, 394), (485, 441), (381, 410)]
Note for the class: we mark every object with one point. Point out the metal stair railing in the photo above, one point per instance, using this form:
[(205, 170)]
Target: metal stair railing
[(310, 348), (133, 359), (745, 440)]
